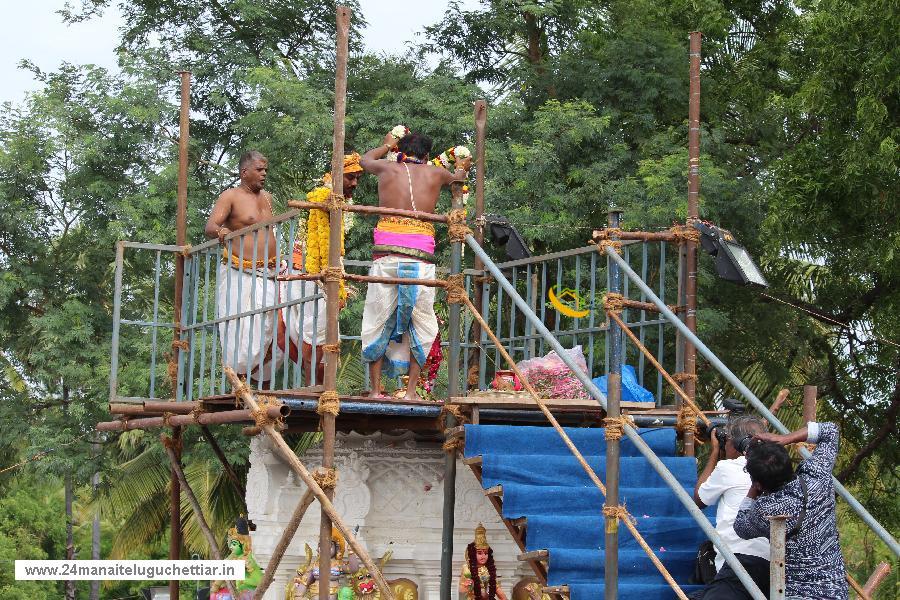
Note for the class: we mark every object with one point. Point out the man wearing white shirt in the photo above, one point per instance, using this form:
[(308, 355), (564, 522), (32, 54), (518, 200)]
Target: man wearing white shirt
[(726, 482)]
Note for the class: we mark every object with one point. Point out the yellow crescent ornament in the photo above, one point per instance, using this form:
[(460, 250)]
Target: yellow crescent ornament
[(562, 308)]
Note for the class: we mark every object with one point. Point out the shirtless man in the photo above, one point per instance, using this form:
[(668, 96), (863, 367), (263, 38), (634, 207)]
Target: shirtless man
[(399, 324), (245, 205), (243, 286)]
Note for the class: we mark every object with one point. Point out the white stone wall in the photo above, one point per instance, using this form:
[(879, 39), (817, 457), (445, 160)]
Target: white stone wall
[(391, 487)]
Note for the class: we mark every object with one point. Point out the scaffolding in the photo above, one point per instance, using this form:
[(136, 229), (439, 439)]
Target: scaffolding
[(627, 274)]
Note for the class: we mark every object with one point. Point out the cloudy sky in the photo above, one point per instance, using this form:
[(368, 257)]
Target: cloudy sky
[(35, 31)]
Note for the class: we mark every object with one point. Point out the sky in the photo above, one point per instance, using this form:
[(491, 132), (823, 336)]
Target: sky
[(35, 32)]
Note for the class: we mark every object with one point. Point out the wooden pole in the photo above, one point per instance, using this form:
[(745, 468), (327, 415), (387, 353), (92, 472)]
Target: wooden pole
[(283, 542), (878, 575), (181, 240), (480, 131), (242, 391), (229, 470), (690, 353), (332, 286), (453, 380), (809, 403), (175, 463), (613, 411)]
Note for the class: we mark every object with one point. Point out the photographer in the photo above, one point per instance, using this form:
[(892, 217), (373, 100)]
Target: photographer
[(726, 482), (815, 566)]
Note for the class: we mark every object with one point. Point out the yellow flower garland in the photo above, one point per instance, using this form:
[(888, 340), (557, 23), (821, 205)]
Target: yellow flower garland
[(317, 236)]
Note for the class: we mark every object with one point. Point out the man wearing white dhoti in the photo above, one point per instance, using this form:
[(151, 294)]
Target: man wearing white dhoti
[(313, 258), (399, 324), (246, 278)]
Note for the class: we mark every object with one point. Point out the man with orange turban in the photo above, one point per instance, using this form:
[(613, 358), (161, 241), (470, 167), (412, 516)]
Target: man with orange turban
[(305, 322)]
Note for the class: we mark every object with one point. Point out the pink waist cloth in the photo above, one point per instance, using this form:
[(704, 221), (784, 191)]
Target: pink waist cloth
[(416, 241)]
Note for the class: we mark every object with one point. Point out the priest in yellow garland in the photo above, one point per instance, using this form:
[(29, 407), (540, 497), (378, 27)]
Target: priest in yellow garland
[(313, 258), (479, 560)]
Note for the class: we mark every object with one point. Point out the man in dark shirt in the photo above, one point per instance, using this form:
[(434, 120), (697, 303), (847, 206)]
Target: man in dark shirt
[(815, 566)]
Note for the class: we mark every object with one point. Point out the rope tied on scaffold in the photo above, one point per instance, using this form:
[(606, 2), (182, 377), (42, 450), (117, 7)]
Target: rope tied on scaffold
[(329, 403), (685, 233), (686, 421), (613, 303), (456, 222), (592, 475), (261, 413), (453, 445), (456, 288), (326, 478), (615, 426), (450, 410), (604, 238), (333, 274), (335, 202)]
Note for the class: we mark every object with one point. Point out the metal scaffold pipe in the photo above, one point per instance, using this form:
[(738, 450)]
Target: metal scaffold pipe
[(858, 508), (633, 435)]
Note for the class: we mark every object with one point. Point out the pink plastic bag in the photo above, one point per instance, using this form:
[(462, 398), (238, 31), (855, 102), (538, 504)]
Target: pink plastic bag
[(550, 376)]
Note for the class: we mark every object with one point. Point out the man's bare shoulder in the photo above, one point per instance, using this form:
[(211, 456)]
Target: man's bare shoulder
[(229, 194)]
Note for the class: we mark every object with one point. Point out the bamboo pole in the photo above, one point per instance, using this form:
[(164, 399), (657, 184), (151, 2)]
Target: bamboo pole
[(229, 470), (690, 353), (659, 367), (878, 575), (175, 421), (480, 132), (283, 542), (373, 210), (574, 449), (613, 411), (449, 501), (644, 236), (181, 240), (809, 403), (246, 396), (332, 285), (195, 505), (779, 400)]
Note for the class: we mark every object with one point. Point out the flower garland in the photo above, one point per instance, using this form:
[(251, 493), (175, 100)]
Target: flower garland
[(451, 155), (428, 374), (317, 238), (404, 158)]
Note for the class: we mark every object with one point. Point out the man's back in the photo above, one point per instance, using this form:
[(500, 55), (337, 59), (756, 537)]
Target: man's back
[(815, 566), (410, 186)]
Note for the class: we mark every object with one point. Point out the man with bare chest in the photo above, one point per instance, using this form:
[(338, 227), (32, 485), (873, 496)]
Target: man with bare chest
[(399, 324), (246, 277)]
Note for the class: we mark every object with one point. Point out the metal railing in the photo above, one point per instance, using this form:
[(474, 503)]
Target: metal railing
[(214, 332)]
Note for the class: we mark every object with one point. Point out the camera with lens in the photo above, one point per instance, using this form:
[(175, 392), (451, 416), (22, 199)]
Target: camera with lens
[(722, 436)]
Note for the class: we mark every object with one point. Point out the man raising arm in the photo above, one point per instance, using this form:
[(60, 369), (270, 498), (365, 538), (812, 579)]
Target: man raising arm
[(399, 324), (815, 566)]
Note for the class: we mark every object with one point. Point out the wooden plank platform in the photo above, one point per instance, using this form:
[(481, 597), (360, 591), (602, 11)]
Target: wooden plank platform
[(535, 555), (557, 590), (498, 399)]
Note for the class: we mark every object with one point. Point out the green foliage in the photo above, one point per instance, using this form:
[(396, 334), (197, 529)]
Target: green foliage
[(588, 107), (30, 529)]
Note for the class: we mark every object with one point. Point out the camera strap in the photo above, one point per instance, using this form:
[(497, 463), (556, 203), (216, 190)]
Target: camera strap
[(796, 528)]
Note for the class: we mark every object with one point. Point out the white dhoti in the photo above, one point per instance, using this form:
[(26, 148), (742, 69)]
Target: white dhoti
[(399, 323), (306, 318), (247, 341)]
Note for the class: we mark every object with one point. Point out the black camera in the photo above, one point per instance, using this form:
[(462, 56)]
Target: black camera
[(743, 444), (722, 436)]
